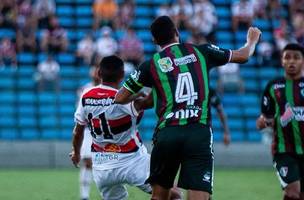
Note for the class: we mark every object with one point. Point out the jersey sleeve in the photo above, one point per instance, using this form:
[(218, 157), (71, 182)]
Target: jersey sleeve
[(215, 100), (139, 78), (128, 109), (79, 116), (214, 55), (268, 103)]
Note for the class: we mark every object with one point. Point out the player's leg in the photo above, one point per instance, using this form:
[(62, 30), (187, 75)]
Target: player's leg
[(165, 161), (288, 172), (302, 177), (196, 174), (108, 184), (85, 178)]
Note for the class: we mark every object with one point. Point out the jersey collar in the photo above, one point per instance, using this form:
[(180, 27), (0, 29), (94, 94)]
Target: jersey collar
[(169, 45)]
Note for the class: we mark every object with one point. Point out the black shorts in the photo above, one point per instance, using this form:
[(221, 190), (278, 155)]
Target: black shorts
[(188, 147), (289, 168)]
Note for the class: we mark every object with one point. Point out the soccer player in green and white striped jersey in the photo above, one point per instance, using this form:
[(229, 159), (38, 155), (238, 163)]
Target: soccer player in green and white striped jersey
[(178, 76), (283, 109)]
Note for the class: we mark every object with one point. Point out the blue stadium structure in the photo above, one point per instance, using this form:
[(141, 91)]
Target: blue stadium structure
[(27, 114)]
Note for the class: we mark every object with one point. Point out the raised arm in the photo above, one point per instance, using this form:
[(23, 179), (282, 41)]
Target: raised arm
[(244, 53)]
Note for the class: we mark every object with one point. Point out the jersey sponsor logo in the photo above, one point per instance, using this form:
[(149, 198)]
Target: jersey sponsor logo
[(185, 60), (207, 177), (301, 84), (302, 92), (183, 114), (165, 64), (265, 101), (112, 148), (135, 75), (278, 86), (291, 113), (283, 171), (99, 102), (100, 158)]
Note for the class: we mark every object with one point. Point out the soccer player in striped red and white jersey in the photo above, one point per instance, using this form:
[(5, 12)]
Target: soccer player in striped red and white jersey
[(118, 155)]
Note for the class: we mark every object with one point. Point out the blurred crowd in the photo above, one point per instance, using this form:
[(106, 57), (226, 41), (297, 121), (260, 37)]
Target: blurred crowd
[(38, 29)]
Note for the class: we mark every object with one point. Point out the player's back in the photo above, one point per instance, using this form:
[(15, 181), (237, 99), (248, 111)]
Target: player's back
[(109, 123)]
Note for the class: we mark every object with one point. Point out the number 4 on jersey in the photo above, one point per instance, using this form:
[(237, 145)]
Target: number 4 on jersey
[(185, 89)]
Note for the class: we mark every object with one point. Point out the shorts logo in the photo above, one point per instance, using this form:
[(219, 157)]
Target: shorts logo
[(165, 64), (207, 177), (112, 148), (283, 171)]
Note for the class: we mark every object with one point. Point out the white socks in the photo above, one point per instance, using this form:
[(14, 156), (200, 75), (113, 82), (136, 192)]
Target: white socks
[(85, 182)]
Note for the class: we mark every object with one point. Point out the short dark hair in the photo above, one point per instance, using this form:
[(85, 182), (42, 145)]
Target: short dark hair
[(111, 69), (294, 47), (163, 30)]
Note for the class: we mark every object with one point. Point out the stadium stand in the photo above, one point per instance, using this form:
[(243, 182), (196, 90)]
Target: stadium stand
[(27, 114)]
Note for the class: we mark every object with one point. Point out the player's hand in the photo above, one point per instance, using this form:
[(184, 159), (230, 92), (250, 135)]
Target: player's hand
[(226, 138), (253, 35), (75, 158), (263, 122)]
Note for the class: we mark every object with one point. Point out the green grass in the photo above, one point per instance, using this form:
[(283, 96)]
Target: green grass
[(63, 185)]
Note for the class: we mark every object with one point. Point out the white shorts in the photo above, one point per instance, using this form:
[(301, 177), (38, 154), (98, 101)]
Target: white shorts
[(85, 151), (111, 182)]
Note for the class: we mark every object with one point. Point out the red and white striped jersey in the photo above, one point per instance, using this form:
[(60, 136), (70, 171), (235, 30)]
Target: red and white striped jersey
[(112, 126)]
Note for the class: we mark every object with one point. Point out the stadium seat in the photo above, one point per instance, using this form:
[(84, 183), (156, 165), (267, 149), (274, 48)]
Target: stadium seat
[(224, 23), (224, 36), (26, 58), (67, 22), (28, 97), (47, 97), (223, 12), (50, 134), (84, 22), (26, 70), (64, 11), (27, 121), (7, 98), (144, 35), (252, 111), (141, 23), (8, 134), (237, 136), (84, 11), (47, 109), (69, 98), (26, 83), (7, 120), (143, 11), (67, 110), (7, 83), (66, 133), (7, 109), (66, 59), (27, 109), (29, 134), (5, 32), (254, 136)]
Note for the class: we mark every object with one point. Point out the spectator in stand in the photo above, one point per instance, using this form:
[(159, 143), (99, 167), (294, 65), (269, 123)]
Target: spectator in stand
[(164, 9), (25, 38), (298, 25), (106, 45), (265, 53), (275, 9), (8, 13), (7, 53), (283, 35), (105, 12), (230, 79), (85, 49), (196, 37), (204, 19), (131, 48), (182, 11), (48, 74), (259, 7), (242, 14), (44, 9), (26, 27), (125, 14), (296, 5), (54, 39)]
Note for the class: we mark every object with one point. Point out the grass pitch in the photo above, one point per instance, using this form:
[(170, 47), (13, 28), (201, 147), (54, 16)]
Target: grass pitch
[(62, 184)]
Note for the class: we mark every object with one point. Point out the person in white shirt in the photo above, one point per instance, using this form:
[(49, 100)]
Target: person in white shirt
[(48, 74), (118, 155), (85, 176), (106, 45)]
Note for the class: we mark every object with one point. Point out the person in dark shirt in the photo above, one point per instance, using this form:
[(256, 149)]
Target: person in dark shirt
[(282, 109), (178, 76)]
